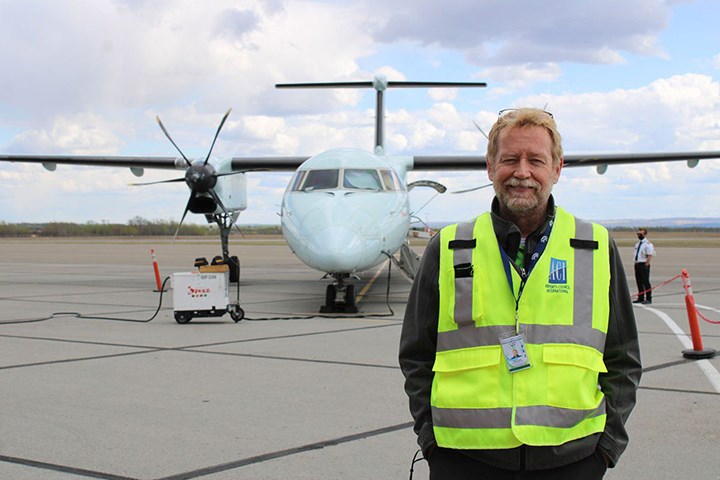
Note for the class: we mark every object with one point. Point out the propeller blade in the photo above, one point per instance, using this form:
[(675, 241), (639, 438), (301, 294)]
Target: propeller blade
[(187, 207), (217, 200), (473, 189), (238, 229), (174, 180), (222, 122), (218, 175), (481, 130), (162, 127)]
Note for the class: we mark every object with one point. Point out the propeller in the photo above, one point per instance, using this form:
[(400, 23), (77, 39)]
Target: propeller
[(200, 176), (482, 186)]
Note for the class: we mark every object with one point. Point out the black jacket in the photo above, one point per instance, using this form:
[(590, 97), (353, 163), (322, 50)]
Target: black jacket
[(619, 384)]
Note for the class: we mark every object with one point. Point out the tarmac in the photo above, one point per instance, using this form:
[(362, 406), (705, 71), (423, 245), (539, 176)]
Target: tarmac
[(98, 380)]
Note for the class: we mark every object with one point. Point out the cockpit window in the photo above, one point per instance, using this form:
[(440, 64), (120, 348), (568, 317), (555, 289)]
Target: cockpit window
[(362, 179), (320, 180), (297, 180), (352, 178), (391, 180)]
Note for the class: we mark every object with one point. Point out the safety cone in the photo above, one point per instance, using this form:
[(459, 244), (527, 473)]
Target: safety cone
[(157, 271), (697, 352)]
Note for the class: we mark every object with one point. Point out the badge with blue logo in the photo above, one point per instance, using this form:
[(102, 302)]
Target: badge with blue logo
[(558, 271)]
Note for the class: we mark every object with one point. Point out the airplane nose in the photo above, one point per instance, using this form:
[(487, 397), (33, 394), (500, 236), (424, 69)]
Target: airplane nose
[(337, 248)]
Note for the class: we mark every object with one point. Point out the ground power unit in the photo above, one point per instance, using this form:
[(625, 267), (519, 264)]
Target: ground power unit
[(204, 293)]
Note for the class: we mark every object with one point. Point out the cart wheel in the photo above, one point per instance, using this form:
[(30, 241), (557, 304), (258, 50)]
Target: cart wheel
[(237, 313), (234, 269), (182, 318)]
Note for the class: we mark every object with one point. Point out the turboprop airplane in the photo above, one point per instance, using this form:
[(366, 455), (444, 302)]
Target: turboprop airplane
[(344, 210)]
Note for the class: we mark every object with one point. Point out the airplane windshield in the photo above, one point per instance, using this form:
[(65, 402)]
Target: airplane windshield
[(320, 180), (362, 179), (352, 178)]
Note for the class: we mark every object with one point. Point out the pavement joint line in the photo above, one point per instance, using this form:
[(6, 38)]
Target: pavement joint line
[(82, 359), (293, 359), (295, 335), (189, 349), (672, 334), (74, 294), (678, 390), (214, 344), (663, 366), (86, 342), (285, 453), (63, 468)]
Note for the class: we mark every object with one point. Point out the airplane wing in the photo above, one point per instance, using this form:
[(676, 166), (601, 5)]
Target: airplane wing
[(138, 163), (49, 161), (267, 163), (421, 162), (601, 161)]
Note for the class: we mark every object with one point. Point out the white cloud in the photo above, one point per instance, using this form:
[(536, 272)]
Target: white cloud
[(501, 32), (510, 78), (83, 134), (94, 74)]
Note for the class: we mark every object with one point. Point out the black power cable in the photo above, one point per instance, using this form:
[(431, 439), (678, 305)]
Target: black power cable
[(162, 290), (94, 317)]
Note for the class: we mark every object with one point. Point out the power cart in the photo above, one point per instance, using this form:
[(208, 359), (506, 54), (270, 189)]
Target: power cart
[(204, 293)]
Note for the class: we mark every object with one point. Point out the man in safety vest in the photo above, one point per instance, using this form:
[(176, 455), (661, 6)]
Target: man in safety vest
[(519, 345)]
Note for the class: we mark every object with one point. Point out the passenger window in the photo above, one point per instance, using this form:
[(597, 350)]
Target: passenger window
[(362, 179), (320, 180)]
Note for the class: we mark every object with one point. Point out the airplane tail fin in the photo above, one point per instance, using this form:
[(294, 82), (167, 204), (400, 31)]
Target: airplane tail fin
[(380, 83)]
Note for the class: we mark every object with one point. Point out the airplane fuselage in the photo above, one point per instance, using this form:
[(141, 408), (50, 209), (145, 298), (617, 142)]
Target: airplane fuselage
[(345, 211)]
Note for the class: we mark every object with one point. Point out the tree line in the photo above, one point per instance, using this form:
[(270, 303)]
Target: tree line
[(136, 227)]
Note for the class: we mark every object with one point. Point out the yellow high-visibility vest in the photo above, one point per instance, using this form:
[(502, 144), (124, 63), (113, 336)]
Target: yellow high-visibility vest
[(563, 315)]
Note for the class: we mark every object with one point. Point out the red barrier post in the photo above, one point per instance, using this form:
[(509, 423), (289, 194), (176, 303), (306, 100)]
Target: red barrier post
[(697, 351), (157, 271)]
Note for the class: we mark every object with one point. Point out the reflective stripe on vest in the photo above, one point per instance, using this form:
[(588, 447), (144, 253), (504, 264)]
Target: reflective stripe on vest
[(502, 417), (563, 314)]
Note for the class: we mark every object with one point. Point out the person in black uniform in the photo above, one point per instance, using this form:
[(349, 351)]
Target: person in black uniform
[(644, 252)]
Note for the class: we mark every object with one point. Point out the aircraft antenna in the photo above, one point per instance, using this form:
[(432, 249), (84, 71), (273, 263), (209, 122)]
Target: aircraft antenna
[(380, 83)]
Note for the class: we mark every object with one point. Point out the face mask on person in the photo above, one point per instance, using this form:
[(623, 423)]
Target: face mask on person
[(640, 236)]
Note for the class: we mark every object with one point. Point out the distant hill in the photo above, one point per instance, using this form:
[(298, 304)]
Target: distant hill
[(687, 222)]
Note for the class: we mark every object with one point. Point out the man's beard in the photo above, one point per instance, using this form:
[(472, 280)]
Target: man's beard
[(520, 204)]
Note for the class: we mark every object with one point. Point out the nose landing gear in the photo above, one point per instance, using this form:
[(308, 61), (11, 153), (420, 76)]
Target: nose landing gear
[(339, 288)]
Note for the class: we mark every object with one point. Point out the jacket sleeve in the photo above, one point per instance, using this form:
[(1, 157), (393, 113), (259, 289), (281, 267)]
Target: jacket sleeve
[(418, 341), (622, 359)]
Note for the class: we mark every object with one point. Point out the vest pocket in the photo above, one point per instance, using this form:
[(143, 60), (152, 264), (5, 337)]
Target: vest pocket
[(572, 375), (464, 377)]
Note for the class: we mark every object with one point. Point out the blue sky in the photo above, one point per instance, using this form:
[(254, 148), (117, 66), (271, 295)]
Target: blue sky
[(88, 77)]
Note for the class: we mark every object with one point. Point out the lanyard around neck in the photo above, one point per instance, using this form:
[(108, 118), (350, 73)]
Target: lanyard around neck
[(524, 274)]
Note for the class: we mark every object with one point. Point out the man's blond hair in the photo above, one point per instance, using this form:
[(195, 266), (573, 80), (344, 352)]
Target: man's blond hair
[(523, 117)]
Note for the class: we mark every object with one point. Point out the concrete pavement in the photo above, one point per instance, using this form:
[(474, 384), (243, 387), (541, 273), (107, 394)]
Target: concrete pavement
[(112, 395)]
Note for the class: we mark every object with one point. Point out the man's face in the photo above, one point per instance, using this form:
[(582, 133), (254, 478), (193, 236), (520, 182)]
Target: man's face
[(522, 171)]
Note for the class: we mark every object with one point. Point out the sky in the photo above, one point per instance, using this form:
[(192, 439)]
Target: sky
[(89, 77)]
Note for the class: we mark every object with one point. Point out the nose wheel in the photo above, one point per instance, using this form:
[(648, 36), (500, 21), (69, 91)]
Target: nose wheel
[(346, 291)]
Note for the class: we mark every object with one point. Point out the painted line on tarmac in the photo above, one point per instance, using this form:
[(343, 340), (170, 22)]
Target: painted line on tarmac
[(708, 369), (371, 282), (707, 308)]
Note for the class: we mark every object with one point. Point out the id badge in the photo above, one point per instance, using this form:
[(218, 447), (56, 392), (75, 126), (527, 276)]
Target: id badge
[(513, 348)]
